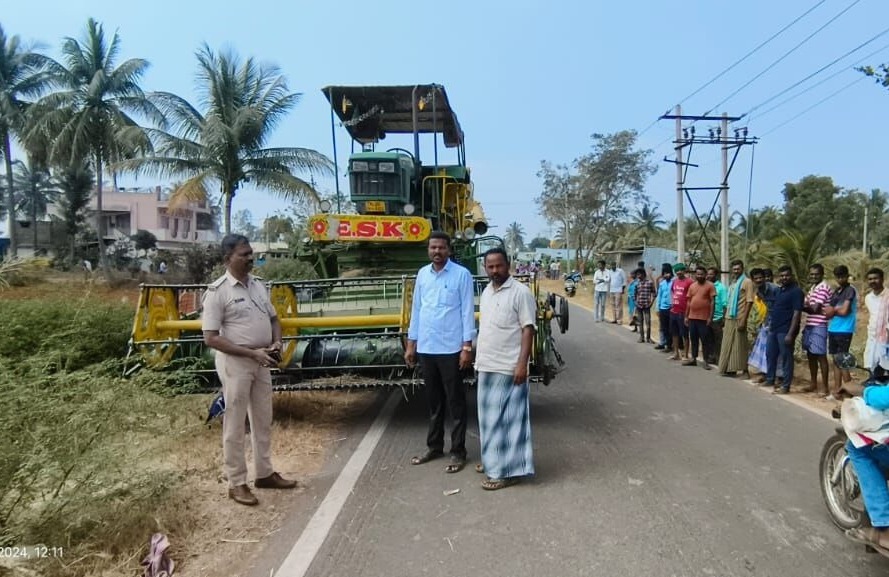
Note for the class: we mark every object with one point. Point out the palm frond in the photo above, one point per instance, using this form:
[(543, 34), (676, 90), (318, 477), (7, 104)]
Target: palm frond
[(284, 185), (192, 190)]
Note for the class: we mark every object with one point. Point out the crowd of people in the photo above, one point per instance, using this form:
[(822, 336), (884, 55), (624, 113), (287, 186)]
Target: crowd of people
[(754, 323)]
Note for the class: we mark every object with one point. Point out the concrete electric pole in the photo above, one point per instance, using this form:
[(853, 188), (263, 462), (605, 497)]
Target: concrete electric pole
[(685, 138)]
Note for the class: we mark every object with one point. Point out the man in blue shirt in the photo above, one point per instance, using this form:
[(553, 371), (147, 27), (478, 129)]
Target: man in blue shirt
[(784, 316), (441, 331), (870, 462), (843, 313), (664, 302)]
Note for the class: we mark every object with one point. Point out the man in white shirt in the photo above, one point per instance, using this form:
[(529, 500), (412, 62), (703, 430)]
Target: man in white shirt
[(616, 289), (602, 284), (876, 303), (505, 339)]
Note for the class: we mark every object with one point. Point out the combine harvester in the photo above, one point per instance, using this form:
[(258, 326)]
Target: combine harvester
[(347, 328)]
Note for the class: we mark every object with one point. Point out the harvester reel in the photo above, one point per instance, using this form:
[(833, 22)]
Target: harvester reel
[(159, 304)]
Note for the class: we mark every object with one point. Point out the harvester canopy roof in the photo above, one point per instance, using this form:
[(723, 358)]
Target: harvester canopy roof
[(370, 112)]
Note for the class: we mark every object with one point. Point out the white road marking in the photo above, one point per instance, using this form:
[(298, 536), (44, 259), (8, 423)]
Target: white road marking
[(300, 558)]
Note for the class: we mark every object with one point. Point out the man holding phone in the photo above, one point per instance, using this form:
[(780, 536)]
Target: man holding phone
[(240, 322)]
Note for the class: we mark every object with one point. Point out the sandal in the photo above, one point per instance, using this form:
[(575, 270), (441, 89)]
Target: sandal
[(497, 484), (480, 468), (429, 455), (868, 536), (456, 465)]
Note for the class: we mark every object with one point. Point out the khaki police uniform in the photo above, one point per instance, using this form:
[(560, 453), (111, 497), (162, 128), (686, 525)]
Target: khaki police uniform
[(243, 315)]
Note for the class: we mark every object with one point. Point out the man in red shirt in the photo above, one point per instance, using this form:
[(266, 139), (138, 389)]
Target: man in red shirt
[(679, 295), (699, 316)]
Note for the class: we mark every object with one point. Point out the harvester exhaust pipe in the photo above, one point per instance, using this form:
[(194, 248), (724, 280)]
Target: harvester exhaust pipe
[(477, 219)]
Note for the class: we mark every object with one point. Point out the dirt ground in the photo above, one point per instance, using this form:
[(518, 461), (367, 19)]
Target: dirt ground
[(802, 379), (223, 537)]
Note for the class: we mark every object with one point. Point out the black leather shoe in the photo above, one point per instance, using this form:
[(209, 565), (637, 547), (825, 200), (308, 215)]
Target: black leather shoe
[(274, 481), (241, 494)]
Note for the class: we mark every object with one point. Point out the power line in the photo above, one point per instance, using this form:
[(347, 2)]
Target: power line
[(785, 55), (819, 71), (740, 60), (752, 52), (820, 102), (817, 84)]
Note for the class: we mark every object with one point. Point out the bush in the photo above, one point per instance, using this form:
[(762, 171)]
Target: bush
[(285, 269), (64, 335)]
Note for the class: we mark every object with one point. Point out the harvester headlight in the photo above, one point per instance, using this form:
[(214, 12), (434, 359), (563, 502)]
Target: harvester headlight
[(387, 167), (458, 235), (409, 209), (325, 205), (469, 234), (359, 166)]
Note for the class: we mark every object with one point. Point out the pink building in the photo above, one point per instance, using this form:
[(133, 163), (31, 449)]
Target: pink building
[(128, 210)]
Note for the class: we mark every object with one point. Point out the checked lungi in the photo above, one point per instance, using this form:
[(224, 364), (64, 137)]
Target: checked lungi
[(504, 420)]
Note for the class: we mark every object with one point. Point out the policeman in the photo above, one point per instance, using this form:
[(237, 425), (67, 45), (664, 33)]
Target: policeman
[(241, 324)]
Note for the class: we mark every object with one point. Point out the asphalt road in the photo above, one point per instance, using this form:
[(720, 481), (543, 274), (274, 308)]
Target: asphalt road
[(644, 468)]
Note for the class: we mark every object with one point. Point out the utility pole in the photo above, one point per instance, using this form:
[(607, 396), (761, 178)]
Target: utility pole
[(864, 236), (685, 138), (680, 202), (723, 205)]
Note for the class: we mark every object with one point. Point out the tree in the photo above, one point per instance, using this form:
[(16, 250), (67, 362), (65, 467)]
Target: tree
[(226, 144), (35, 189), (144, 240), (21, 79), (75, 184), (648, 221), (601, 191), (276, 227), (514, 238), (816, 203), (89, 113), (538, 242), (798, 250), (242, 223)]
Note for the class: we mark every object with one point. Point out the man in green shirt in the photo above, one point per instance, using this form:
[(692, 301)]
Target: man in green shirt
[(714, 335)]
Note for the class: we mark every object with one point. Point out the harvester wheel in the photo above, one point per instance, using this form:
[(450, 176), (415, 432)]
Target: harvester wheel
[(563, 316), (156, 304), (284, 300)]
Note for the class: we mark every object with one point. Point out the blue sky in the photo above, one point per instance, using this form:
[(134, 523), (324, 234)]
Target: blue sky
[(532, 80)]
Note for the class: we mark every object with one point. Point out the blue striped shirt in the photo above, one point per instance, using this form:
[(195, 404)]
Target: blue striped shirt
[(443, 310)]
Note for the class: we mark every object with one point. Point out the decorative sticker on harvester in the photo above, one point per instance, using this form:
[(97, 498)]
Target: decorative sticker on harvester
[(359, 227)]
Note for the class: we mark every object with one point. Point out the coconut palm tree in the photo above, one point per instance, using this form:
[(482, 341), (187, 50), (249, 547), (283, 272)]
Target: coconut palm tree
[(21, 80), (796, 249), (75, 184), (90, 115), (35, 189), (514, 238), (648, 220), (225, 144)]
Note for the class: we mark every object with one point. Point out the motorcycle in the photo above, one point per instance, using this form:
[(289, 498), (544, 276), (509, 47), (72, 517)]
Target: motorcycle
[(571, 281), (839, 484), (840, 488)]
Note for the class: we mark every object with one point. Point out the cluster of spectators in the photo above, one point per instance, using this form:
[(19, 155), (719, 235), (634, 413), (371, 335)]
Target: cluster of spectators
[(705, 322)]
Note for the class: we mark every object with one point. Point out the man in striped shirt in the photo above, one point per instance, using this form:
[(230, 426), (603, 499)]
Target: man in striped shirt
[(815, 331), (645, 293)]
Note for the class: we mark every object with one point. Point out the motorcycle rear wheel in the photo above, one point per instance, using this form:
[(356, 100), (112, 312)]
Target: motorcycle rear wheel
[(842, 496)]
